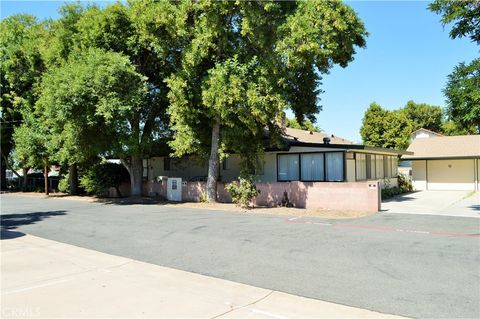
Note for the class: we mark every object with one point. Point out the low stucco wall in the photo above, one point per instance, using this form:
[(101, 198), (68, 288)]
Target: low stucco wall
[(359, 196)]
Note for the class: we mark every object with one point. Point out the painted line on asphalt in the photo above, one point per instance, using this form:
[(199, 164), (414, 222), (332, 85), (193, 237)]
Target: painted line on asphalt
[(300, 220)]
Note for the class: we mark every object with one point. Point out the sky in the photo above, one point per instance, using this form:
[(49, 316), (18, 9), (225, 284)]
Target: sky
[(409, 55)]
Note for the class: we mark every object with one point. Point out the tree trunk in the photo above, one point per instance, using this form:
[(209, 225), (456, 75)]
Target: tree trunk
[(3, 173), (136, 167), (213, 163), (25, 178), (45, 174), (73, 176)]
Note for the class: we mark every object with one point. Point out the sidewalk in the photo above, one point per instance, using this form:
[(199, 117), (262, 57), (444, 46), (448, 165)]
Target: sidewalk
[(43, 278)]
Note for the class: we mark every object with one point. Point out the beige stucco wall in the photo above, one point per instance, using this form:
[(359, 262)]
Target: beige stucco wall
[(451, 174), (350, 174), (419, 175)]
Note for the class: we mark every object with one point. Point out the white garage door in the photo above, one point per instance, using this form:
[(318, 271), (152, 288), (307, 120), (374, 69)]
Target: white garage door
[(451, 174)]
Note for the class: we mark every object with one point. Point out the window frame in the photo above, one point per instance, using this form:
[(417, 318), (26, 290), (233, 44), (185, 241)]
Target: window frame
[(344, 177)]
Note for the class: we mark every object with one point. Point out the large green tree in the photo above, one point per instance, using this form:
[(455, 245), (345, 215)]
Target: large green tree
[(21, 66), (464, 14), (463, 94), (385, 128), (423, 115), (244, 63), (90, 104), (463, 87)]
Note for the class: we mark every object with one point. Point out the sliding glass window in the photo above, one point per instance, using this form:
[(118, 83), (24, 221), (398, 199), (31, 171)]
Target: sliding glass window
[(361, 166), (288, 167), (312, 167), (334, 165)]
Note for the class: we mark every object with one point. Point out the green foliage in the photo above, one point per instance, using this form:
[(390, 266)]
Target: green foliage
[(86, 101), (306, 125), (423, 115), (463, 87), (64, 184), (451, 128), (243, 63), (21, 66), (463, 94), (404, 183), (390, 192), (99, 178), (384, 128), (203, 198), (464, 14), (243, 192), (392, 128), (404, 186)]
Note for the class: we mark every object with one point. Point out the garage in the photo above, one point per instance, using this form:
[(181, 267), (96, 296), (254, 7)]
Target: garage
[(445, 163)]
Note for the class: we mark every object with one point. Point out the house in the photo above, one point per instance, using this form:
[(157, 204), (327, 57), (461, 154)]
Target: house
[(306, 157), (445, 162), (423, 133)]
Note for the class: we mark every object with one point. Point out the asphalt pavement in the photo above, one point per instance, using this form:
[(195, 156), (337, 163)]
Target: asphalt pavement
[(412, 265)]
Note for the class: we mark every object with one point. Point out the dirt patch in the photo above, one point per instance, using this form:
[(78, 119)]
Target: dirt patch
[(314, 212)]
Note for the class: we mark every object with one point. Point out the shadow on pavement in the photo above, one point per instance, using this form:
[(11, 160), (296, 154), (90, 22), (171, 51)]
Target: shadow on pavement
[(135, 201), (12, 221), (8, 234), (400, 198)]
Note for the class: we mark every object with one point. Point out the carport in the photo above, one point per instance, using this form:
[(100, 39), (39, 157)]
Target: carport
[(445, 163)]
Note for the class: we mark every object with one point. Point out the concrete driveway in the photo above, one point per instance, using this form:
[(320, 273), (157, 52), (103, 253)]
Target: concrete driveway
[(445, 203)]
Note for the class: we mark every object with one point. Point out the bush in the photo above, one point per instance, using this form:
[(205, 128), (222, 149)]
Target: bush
[(64, 184), (404, 183), (99, 178), (404, 186), (390, 192), (243, 192)]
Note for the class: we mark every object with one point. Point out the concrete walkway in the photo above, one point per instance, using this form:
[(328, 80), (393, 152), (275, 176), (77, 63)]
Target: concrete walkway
[(44, 278), (442, 203)]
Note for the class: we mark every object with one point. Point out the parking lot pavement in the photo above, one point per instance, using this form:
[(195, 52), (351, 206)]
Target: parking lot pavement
[(44, 278), (442, 203), (404, 264)]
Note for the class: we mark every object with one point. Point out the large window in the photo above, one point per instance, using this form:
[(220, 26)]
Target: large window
[(379, 172), (311, 167), (371, 166), (288, 167), (361, 166), (394, 166), (334, 166)]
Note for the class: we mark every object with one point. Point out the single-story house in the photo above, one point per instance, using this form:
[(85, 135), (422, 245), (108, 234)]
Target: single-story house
[(306, 157), (445, 162), (423, 133)]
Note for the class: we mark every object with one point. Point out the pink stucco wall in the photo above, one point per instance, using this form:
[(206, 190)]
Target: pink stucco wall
[(359, 196)]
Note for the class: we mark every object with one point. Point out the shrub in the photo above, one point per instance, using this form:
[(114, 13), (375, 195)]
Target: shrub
[(99, 178), (64, 184), (203, 198), (390, 192), (404, 183), (243, 192)]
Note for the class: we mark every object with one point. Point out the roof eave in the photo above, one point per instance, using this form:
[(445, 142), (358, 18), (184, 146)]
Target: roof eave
[(351, 147), (413, 158)]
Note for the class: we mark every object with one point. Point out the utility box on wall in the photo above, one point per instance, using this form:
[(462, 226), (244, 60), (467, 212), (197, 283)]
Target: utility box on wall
[(174, 189)]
